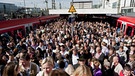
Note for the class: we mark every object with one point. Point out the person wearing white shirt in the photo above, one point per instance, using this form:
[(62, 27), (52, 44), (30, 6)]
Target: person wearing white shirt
[(75, 56), (41, 46), (105, 39), (104, 48), (63, 51), (116, 66), (124, 47), (122, 55)]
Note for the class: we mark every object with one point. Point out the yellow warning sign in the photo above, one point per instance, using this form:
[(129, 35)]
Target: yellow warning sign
[(72, 9)]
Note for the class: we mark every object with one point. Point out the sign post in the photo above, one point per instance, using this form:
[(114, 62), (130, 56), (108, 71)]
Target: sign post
[(72, 10)]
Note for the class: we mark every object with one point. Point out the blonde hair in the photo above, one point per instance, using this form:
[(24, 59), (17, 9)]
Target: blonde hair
[(48, 60), (82, 70), (96, 63), (69, 69)]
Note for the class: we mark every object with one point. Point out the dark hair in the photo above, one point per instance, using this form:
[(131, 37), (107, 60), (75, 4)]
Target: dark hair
[(11, 55), (25, 56), (10, 69), (61, 64), (58, 73), (127, 67), (54, 73), (121, 47), (41, 41)]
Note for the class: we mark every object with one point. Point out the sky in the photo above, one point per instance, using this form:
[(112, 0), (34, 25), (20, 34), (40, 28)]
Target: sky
[(41, 3)]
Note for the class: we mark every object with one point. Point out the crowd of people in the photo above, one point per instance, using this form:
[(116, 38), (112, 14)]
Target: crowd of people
[(61, 48)]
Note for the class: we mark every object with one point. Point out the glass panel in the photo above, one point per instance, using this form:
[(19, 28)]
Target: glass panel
[(123, 27), (118, 28), (134, 31), (129, 30)]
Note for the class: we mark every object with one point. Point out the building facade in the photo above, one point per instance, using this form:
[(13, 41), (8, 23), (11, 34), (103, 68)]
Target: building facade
[(83, 4), (123, 6), (7, 8)]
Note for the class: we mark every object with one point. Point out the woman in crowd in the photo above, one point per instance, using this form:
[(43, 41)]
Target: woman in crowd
[(47, 66), (97, 71), (82, 70), (70, 69), (55, 73), (58, 73), (11, 69)]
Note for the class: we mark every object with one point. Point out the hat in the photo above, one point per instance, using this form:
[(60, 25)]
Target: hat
[(81, 58)]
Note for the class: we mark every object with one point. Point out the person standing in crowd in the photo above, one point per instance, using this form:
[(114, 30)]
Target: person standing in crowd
[(124, 45), (27, 68), (106, 40), (46, 66), (131, 62), (104, 48), (55, 73), (20, 46), (58, 73), (116, 66), (50, 53), (111, 54), (99, 55), (75, 56), (63, 51), (11, 58), (97, 71), (114, 45), (81, 61), (61, 68), (126, 71), (92, 49), (122, 55), (41, 46), (132, 50), (82, 70), (107, 71), (69, 69), (33, 44), (11, 69)]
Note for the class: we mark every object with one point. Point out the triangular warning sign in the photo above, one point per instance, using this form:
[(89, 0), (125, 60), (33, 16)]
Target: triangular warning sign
[(72, 9)]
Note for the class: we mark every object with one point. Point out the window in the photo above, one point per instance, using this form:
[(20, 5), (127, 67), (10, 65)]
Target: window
[(114, 5), (118, 27), (129, 30), (35, 26), (123, 27), (130, 10), (27, 31), (134, 31), (132, 3), (31, 29)]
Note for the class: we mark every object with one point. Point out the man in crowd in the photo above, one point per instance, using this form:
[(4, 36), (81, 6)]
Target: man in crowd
[(116, 66), (28, 68)]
